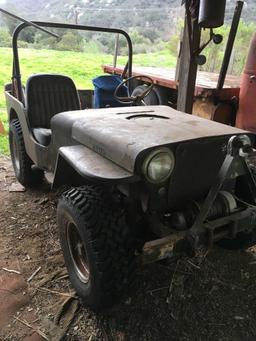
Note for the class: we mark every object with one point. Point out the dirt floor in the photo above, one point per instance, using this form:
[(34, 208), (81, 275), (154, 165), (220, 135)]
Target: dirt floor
[(211, 297)]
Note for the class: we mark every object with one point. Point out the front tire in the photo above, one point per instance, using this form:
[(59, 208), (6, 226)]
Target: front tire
[(96, 245), (22, 164)]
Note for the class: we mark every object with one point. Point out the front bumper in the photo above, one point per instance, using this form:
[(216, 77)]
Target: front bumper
[(188, 243), (204, 232)]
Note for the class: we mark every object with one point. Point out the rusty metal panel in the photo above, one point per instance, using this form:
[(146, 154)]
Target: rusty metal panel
[(206, 83), (205, 108), (162, 248), (246, 116), (121, 134)]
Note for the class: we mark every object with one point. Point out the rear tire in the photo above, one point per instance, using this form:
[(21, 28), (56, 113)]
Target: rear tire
[(22, 164), (96, 245)]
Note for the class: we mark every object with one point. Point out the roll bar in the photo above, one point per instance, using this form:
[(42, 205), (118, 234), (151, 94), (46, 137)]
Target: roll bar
[(16, 76)]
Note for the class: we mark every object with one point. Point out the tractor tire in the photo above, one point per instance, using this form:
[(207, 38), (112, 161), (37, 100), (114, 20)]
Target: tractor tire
[(22, 164), (96, 244), (155, 97), (150, 99)]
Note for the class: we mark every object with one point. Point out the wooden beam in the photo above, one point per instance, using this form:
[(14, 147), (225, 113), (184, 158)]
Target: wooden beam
[(188, 65)]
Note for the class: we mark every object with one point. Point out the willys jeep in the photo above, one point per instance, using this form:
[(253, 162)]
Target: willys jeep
[(145, 182)]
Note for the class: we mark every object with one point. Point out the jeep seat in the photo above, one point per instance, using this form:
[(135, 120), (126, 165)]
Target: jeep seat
[(46, 96)]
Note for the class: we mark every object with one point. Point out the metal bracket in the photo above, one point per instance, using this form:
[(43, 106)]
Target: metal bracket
[(203, 46), (238, 149)]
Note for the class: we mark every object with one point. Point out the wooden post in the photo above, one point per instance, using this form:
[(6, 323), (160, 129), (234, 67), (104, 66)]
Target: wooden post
[(232, 62), (179, 48), (116, 50), (188, 65)]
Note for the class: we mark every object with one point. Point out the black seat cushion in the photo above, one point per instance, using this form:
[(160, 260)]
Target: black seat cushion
[(42, 135), (48, 95)]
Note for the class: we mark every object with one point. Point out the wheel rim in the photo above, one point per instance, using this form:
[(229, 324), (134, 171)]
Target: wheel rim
[(15, 154), (78, 253)]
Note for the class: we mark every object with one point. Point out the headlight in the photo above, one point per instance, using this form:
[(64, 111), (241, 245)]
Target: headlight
[(159, 165)]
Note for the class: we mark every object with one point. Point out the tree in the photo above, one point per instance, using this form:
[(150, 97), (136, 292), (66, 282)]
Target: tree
[(71, 42), (5, 38)]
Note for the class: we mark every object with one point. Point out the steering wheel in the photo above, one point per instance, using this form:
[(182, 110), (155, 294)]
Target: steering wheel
[(136, 100)]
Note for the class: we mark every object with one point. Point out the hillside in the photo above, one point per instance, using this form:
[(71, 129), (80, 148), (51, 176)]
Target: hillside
[(43, 7), (133, 14), (154, 19), (249, 10)]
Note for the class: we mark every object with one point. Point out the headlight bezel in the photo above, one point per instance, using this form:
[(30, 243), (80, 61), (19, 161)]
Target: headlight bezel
[(150, 158)]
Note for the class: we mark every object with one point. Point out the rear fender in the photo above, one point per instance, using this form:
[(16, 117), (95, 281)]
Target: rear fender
[(16, 110)]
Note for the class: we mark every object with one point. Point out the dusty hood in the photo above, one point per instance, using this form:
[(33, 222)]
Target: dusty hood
[(120, 134)]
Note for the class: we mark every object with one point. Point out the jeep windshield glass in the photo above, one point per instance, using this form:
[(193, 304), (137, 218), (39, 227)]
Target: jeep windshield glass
[(16, 63), (28, 22)]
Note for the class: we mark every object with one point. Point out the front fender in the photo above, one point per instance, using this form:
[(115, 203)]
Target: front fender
[(88, 165)]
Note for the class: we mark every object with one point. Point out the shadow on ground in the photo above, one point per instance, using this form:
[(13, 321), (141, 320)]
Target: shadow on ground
[(211, 297)]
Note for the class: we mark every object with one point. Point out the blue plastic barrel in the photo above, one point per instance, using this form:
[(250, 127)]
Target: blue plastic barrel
[(104, 88)]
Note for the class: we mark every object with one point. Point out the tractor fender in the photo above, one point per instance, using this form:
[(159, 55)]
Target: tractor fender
[(79, 164)]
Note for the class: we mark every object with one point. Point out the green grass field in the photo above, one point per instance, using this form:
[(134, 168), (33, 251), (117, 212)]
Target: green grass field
[(80, 66)]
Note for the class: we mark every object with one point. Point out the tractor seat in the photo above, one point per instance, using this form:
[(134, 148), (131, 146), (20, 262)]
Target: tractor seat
[(46, 96)]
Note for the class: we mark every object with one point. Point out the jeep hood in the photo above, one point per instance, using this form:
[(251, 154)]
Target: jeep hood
[(121, 134)]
